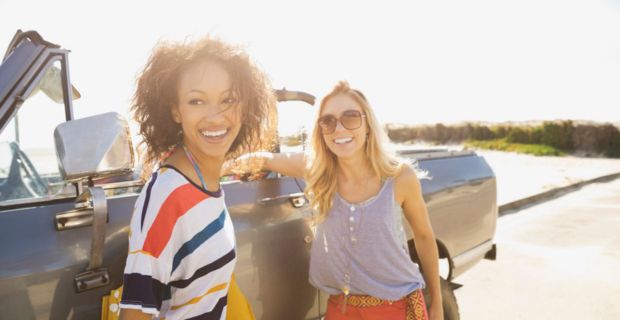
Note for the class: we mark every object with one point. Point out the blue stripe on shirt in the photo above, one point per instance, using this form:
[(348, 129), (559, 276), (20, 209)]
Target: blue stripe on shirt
[(201, 237)]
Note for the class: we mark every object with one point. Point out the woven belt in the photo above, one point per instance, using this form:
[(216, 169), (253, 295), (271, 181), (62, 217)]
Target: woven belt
[(416, 308), (361, 301)]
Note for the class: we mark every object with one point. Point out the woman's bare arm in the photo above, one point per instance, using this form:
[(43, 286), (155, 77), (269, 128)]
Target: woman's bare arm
[(289, 164), (131, 314), (409, 190)]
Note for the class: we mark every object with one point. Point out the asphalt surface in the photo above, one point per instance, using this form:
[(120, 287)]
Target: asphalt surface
[(559, 259)]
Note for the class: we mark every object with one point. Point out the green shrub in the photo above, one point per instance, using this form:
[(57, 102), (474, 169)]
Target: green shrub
[(536, 134), (518, 135), (558, 135), (563, 135), (503, 145)]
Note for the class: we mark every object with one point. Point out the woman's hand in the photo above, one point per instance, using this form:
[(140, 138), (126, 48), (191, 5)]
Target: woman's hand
[(245, 164), (435, 311), (227, 168)]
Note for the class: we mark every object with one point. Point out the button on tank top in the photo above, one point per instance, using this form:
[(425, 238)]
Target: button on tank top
[(364, 246)]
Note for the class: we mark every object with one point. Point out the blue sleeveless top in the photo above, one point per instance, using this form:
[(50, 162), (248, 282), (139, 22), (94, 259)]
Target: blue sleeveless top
[(364, 245)]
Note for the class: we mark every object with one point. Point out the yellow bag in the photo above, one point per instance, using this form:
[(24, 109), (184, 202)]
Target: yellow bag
[(110, 305), (238, 307)]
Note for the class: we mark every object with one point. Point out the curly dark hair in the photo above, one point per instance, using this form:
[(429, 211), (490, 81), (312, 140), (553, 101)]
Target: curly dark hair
[(156, 94)]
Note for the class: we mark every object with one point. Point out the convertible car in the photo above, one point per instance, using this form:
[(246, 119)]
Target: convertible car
[(68, 187)]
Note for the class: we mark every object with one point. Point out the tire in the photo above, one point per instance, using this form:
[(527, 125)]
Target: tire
[(450, 307)]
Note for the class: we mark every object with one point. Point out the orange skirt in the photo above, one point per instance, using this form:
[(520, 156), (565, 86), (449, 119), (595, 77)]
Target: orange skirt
[(362, 307)]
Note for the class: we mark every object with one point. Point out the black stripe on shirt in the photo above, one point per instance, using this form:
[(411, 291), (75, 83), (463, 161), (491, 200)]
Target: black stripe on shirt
[(145, 291), (147, 198), (214, 194), (203, 271), (215, 313)]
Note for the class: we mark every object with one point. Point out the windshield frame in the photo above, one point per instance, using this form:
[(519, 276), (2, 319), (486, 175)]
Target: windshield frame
[(21, 72)]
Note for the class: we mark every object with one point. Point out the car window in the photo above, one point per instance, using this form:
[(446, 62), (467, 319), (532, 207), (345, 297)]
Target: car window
[(5, 161), (28, 165)]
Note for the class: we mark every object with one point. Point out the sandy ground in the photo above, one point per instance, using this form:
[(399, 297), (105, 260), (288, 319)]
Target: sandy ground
[(556, 260), (520, 175)]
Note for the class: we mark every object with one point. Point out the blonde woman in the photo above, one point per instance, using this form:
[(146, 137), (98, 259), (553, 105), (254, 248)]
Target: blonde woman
[(360, 255)]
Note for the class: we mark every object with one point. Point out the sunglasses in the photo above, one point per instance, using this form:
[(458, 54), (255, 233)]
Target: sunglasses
[(350, 120)]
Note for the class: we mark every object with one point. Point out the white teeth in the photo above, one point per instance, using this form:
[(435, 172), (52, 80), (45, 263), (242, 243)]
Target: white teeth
[(214, 133), (343, 140)]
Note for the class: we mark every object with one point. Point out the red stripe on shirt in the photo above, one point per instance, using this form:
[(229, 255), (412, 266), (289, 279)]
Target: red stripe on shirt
[(176, 205)]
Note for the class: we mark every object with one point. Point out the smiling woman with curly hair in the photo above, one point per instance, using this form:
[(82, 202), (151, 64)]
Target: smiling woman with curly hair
[(156, 94), (198, 104)]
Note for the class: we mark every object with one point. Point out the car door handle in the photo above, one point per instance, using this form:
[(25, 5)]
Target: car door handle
[(82, 216), (298, 199), (75, 218)]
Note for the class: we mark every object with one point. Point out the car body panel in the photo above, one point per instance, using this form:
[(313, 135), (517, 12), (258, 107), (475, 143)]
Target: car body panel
[(38, 263)]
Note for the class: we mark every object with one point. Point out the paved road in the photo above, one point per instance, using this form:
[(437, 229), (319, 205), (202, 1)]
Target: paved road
[(556, 260)]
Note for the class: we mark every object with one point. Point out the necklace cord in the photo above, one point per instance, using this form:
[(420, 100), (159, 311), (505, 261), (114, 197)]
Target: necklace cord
[(195, 165)]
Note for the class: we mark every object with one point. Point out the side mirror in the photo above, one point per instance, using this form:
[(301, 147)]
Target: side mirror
[(94, 147), (88, 148)]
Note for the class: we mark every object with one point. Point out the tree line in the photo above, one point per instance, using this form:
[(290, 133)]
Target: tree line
[(601, 139)]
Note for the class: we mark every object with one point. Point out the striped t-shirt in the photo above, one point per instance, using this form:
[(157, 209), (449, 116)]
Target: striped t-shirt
[(181, 250)]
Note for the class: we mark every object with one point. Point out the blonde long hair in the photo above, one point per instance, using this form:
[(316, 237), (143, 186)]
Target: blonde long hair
[(322, 172)]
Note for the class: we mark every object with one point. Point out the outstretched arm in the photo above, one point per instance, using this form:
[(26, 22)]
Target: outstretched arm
[(289, 164)]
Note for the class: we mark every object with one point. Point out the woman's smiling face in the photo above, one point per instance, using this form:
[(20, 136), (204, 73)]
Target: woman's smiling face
[(343, 142), (207, 109)]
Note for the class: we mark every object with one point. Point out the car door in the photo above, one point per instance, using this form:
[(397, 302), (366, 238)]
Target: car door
[(273, 222), (39, 259)]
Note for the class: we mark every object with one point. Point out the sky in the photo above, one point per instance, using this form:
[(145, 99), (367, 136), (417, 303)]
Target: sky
[(416, 61)]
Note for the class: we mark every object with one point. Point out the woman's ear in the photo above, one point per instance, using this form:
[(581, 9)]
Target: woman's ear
[(176, 115)]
